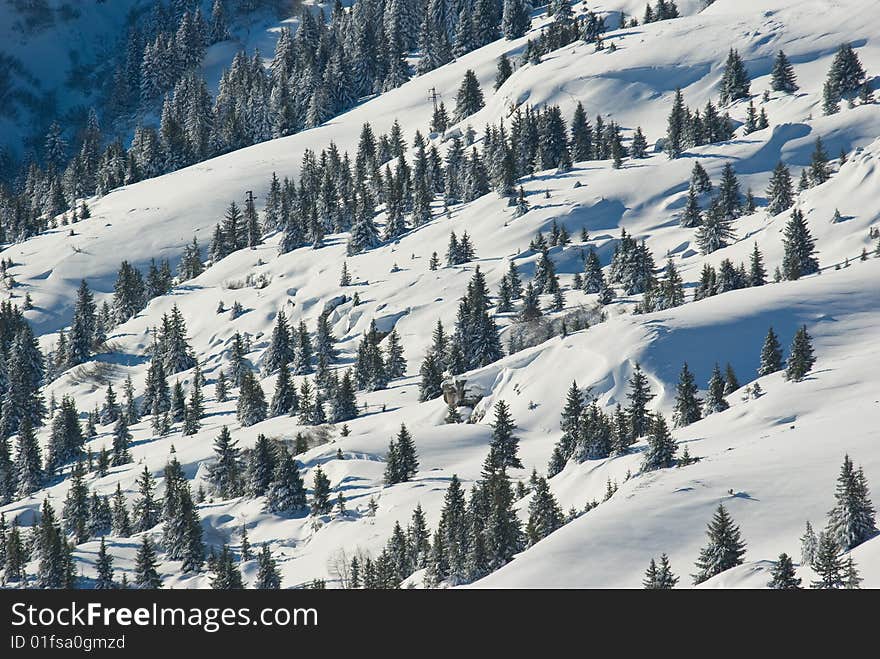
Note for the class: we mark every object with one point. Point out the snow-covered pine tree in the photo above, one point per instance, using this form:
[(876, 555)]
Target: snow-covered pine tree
[(828, 564), (724, 550), (780, 194), (801, 357), (782, 77), (268, 575), (545, 515), (782, 575), (146, 509), (661, 446), (851, 520), (321, 493), (469, 98), (226, 473), (251, 406), (637, 410), (146, 572)]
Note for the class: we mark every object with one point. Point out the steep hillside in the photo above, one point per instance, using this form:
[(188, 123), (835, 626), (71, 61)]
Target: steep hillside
[(772, 460)]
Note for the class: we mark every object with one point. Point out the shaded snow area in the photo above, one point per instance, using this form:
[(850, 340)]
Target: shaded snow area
[(771, 460)]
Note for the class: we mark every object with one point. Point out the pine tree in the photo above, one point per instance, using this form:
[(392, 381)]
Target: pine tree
[(104, 568), (395, 364), (120, 519), (715, 401), (661, 446), (268, 575), (828, 564), (251, 406), (639, 396), (545, 515), (799, 245), (724, 550), (82, 331), (76, 507), (121, 443), (659, 577), (515, 19), (779, 192), (783, 577), (688, 405), (146, 509), (771, 355), (146, 574), (782, 77), (286, 493), (801, 357), (505, 445), (735, 80), (851, 578), (321, 493), (469, 98), (809, 545), (28, 462), (226, 575), (757, 272), (851, 520), (226, 473), (344, 404), (676, 129), (220, 387)]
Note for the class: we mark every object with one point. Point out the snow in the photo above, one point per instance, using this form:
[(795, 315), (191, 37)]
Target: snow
[(772, 461)]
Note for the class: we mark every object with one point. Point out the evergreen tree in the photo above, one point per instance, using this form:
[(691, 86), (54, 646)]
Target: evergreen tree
[(104, 567), (659, 577), (783, 577), (251, 406), (515, 19), (146, 574), (677, 127), (76, 507), (771, 355), (146, 509), (735, 80), (799, 245), (661, 446), (469, 98), (344, 404), (757, 272), (226, 575), (782, 77), (226, 473), (715, 401), (321, 493), (402, 461), (809, 545), (801, 357), (688, 405), (268, 575), (724, 550), (545, 515), (779, 191), (286, 493), (505, 445), (828, 564), (81, 340), (851, 520), (121, 522), (121, 443), (28, 462), (639, 397)]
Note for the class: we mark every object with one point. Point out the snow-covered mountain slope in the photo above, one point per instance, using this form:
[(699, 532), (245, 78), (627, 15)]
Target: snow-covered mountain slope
[(772, 461), (58, 58)]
